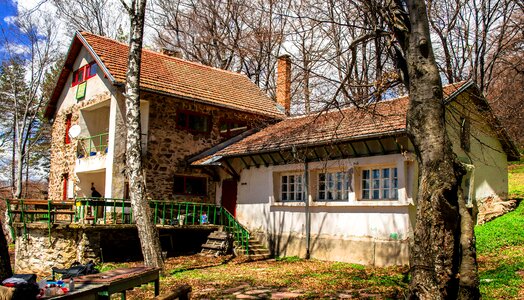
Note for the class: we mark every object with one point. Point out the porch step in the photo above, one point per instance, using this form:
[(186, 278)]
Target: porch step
[(218, 243), (257, 251)]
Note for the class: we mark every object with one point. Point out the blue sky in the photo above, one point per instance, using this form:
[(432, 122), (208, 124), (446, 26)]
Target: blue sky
[(7, 8)]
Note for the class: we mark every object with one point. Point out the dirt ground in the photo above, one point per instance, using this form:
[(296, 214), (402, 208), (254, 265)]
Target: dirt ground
[(290, 278)]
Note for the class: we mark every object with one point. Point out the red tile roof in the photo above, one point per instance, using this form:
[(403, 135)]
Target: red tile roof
[(383, 118), (178, 77)]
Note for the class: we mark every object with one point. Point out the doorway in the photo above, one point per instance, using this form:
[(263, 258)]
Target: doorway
[(229, 195)]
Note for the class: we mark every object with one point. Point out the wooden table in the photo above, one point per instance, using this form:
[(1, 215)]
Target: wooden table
[(103, 285)]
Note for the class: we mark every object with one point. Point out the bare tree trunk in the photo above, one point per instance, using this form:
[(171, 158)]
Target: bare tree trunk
[(147, 231), (443, 261), (5, 262)]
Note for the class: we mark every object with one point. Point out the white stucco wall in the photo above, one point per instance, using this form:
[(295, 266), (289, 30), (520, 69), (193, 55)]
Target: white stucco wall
[(489, 175), (355, 222), (95, 85)]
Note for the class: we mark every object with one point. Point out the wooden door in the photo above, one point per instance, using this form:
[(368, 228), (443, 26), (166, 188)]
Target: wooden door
[(229, 195)]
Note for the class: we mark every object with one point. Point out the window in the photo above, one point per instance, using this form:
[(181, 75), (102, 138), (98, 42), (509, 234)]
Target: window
[(186, 185), (193, 122), (67, 138), (65, 184), (380, 184), (291, 188), (232, 128), (84, 73), (333, 186), (464, 133)]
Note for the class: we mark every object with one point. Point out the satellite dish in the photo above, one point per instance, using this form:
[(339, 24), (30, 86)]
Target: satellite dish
[(74, 131)]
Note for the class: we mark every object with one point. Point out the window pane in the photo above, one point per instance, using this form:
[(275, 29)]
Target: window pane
[(284, 179), (291, 179), (284, 187), (365, 194), (395, 172), (181, 120), (291, 187), (395, 183), (376, 183), (178, 187), (376, 173), (322, 186), (395, 194), (385, 173), (195, 186), (284, 196), (198, 123), (365, 174), (385, 183), (321, 196), (385, 194), (81, 74), (299, 196), (291, 196), (365, 184), (376, 194), (322, 177), (92, 70)]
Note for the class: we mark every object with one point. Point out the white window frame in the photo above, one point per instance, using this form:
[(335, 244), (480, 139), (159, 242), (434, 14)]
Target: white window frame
[(291, 187), (377, 186), (334, 183)]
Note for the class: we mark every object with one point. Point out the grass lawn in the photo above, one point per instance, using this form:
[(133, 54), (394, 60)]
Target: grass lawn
[(500, 248)]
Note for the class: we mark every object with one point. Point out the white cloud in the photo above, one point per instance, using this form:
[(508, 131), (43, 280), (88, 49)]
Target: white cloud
[(14, 49), (10, 20)]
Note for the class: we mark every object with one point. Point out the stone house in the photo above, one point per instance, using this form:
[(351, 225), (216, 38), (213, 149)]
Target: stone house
[(338, 185), (186, 108), (341, 185)]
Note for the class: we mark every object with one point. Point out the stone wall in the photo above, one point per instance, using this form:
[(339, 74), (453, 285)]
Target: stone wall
[(63, 156), (169, 148), (37, 251)]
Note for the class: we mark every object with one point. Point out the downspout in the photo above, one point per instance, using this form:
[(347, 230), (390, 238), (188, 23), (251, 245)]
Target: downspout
[(307, 212)]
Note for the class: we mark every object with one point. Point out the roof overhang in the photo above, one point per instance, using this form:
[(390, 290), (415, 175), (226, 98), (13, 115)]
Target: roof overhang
[(77, 43)]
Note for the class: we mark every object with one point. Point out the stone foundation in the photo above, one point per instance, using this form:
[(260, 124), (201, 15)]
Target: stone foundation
[(359, 250), (37, 251)]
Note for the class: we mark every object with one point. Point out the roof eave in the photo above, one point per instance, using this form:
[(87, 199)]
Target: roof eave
[(209, 102), (339, 141)]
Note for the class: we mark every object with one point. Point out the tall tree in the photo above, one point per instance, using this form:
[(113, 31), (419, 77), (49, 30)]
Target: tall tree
[(442, 256), (31, 52), (147, 231), (102, 17)]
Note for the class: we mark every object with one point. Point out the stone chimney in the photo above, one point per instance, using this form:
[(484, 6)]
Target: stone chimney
[(284, 82), (171, 52)]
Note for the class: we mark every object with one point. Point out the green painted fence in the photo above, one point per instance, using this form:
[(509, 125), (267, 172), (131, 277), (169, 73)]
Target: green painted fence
[(107, 211)]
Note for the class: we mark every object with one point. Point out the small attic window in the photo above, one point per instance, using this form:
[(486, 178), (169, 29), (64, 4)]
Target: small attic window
[(465, 129), (84, 73)]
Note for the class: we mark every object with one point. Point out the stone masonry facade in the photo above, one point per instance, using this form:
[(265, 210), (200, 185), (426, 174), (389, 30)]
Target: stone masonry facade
[(168, 147)]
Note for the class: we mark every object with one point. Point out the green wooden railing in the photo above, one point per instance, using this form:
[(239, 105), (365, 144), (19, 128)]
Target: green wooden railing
[(93, 145), (106, 211)]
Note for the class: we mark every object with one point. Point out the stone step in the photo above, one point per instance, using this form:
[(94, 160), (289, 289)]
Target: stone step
[(218, 235), (213, 246)]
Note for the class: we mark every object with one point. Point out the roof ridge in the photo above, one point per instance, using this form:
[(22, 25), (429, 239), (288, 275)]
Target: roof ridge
[(456, 85), (165, 55)]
